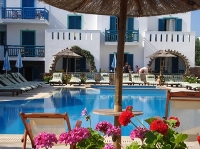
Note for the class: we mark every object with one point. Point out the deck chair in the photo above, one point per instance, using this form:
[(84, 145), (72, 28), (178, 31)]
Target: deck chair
[(57, 79), (13, 89), (24, 79), (90, 78), (105, 78), (136, 79), (44, 122), (126, 79), (75, 79), (151, 80), (169, 80)]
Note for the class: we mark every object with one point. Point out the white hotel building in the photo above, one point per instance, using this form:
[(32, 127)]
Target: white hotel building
[(39, 31)]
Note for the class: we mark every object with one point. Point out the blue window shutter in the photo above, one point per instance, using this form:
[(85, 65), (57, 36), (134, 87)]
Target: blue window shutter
[(28, 38), (64, 64), (113, 23), (110, 63), (83, 64), (28, 3), (161, 24), (130, 60), (77, 22), (71, 22), (130, 23), (178, 25)]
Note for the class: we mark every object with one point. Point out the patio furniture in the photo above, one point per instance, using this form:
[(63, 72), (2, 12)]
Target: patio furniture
[(105, 78), (14, 90), (45, 122), (75, 79), (169, 80), (151, 80), (90, 78), (57, 79), (126, 79), (136, 79)]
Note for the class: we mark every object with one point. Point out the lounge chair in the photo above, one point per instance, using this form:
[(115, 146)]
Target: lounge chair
[(136, 79), (151, 80), (44, 122), (75, 79), (126, 79), (105, 78), (90, 78), (57, 79), (169, 80), (179, 79), (14, 90)]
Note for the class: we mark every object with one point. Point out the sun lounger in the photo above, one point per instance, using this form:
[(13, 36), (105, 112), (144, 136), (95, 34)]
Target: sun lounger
[(57, 79), (15, 91), (75, 79), (169, 80), (136, 79), (45, 122), (126, 79), (193, 86), (90, 78), (105, 78), (151, 80)]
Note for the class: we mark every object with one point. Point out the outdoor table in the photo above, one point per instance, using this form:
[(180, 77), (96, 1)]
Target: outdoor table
[(111, 112)]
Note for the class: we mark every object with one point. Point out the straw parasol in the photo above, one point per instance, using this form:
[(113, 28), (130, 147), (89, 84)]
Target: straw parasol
[(122, 9), (160, 54), (66, 53)]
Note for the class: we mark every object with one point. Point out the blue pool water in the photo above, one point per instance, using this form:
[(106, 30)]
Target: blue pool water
[(147, 99)]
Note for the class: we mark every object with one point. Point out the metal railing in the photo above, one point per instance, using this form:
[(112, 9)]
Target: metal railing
[(26, 51), (25, 13), (112, 35)]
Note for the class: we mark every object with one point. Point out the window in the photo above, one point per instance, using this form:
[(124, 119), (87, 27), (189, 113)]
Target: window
[(74, 22), (2, 38), (114, 23), (170, 24)]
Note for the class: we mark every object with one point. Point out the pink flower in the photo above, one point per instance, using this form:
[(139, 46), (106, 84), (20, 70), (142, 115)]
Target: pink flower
[(45, 139), (109, 146), (74, 136), (84, 112), (138, 132), (103, 126), (114, 131)]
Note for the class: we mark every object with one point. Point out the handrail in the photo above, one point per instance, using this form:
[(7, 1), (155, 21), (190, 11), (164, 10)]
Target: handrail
[(26, 50), (25, 13), (130, 36)]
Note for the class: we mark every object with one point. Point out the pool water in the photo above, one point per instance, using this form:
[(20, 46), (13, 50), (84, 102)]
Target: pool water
[(149, 100)]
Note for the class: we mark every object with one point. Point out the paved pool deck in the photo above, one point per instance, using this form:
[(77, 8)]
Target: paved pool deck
[(12, 141)]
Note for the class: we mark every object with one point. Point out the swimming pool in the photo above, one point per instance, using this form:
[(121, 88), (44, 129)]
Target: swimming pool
[(149, 100)]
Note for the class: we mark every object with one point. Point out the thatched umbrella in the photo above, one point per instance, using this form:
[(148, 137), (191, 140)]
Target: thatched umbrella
[(160, 54), (122, 9), (66, 53)]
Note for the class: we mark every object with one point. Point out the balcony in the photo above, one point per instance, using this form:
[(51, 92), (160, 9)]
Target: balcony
[(25, 15), (131, 37), (26, 51)]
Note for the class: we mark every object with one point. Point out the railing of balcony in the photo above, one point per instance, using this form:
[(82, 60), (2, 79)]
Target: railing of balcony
[(25, 13), (112, 35), (26, 51)]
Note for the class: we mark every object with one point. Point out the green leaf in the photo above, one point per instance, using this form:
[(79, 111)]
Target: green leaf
[(166, 146), (150, 137), (133, 145), (150, 120), (180, 138)]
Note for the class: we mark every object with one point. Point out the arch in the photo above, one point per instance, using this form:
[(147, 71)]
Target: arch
[(82, 52), (174, 52)]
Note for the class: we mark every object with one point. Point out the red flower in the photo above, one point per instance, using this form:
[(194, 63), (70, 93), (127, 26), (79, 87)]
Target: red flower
[(159, 126), (198, 139), (129, 108), (176, 119), (125, 118)]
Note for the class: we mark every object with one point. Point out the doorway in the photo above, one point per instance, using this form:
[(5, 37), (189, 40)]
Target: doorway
[(28, 71)]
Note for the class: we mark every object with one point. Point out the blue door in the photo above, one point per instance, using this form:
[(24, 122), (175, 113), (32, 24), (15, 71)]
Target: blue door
[(28, 40), (174, 64), (28, 9), (157, 65)]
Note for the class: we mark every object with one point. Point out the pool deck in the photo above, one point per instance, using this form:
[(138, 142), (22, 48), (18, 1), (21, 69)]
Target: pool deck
[(13, 141)]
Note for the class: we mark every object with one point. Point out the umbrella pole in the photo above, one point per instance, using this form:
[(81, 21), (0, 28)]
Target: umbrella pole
[(120, 61)]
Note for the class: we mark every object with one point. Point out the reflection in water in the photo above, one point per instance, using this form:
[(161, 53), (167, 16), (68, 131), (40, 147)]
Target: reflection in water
[(73, 101)]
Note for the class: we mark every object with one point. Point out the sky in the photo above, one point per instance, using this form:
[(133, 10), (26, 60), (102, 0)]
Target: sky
[(195, 22)]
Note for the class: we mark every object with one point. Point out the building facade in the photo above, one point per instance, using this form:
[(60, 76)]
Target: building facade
[(39, 31)]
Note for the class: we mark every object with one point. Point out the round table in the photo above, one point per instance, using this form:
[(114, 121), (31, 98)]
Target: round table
[(110, 112)]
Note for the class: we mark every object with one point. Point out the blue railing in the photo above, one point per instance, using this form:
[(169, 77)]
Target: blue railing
[(112, 35), (25, 13), (26, 51)]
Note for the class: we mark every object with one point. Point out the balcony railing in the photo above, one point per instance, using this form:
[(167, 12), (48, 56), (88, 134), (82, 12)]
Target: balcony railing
[(25, 13), (112, 35), (26, 51)]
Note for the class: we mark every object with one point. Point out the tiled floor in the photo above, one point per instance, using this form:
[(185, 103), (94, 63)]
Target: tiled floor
[(13, 141)]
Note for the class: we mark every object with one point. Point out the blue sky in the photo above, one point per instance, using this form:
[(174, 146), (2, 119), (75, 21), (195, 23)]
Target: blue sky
[(195, 24)]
